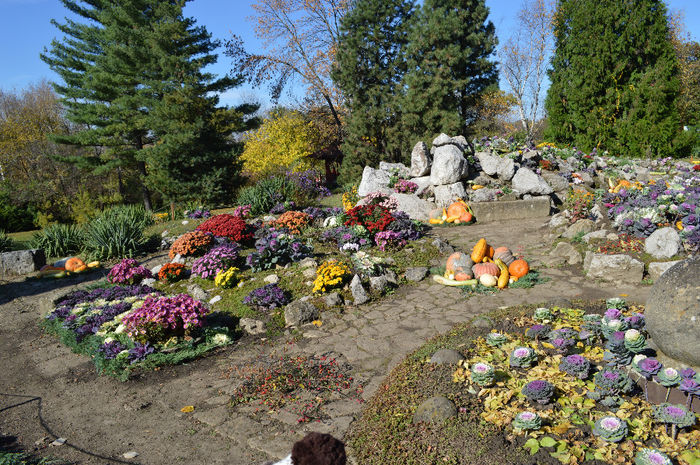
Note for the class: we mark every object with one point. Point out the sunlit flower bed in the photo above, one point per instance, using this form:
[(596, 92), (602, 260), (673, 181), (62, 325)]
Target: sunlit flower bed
[(568, 382), (123, 328)]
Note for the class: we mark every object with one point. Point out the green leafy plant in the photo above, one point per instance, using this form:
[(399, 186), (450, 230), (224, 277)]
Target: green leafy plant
[(6, 242), (267, 193), (59, 240), (114, 236)]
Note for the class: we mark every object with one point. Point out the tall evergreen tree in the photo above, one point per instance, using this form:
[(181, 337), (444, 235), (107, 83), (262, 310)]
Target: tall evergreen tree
[(614, 77), (370, 65), (450, 67), (119, 70)]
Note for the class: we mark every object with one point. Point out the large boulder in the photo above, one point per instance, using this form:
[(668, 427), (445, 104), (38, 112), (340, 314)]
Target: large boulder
[(489, 163), (506, 169), (673, 312), (424, 185), (373, 181), (526, 181), (581, 226), (656, 269), (618, 268), (663, 243), (449, 166), (399, 168), (300, 312), (414, 206), (435, 410), (556, 181), (21, 262), (420, 160), (446, 194)]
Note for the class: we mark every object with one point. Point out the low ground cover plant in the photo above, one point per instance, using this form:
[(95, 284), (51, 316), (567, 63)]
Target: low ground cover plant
[(231, 227)]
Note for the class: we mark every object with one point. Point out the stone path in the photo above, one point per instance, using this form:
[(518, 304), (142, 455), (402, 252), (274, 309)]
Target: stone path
[(373, 338)]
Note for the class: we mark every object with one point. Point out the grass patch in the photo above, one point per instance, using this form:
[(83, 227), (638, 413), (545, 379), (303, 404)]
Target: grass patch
[(22, 458), (335, 200)]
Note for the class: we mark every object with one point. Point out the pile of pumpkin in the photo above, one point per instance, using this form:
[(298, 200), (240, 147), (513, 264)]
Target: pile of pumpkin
[(486, 265), (66, 267), (458, 212)]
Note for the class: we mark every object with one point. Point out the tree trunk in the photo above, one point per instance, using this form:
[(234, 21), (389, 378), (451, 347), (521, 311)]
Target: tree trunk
[(335, 117), (144, 190)]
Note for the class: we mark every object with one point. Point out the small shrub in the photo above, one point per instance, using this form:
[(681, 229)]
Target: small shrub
[(228, 278), (171, 272), (128, 271), (293, 221), (191, 244), (215, 261), (267, 193), (59, 240), (374, 218), (229, 226), (6, 242)]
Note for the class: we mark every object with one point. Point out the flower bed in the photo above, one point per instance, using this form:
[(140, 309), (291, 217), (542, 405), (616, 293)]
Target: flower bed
[(125, 328), (514, 391), (232, 227)]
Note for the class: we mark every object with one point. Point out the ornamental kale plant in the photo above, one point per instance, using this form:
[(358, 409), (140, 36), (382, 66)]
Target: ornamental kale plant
[(215, 261), (538, 331), (483, 374), (635, 341), (522, 357), (539, 391), (409, 229), (276, 248), (575, 365), (160, 318), (610, 384), (675, 415), (139, 352), (496, 339), (610, 429), (651, 457), (267, 297), (527, 421), (128, 271)]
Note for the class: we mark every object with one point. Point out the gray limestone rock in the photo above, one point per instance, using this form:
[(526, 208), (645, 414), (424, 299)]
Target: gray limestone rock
[(359, 294), (420, 160), (333, 299), (446, 194), (557, 182), (673, 312), (595, 235), (309, 273), (197, 292), (271, 279), (252, 326), (415, 207), (416, 274), (373, 181), (391, 277), (581, 226), (442, 246), (446, 357), (449, 166), (299, 312), (483, 195), (378, 283), (557, 221), (663, 243), (489, 163), (442, 139), (156, 269), (617, 268), (308, 262), (435, 410), (506, 169), (568, 252), (424, 185), (656, 269), (526, 181), (21, 262)]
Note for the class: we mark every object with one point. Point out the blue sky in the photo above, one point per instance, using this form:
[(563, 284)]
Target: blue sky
[(25, 29)]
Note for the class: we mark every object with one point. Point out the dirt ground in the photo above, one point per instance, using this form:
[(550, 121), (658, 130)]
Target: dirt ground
[(46, 391)]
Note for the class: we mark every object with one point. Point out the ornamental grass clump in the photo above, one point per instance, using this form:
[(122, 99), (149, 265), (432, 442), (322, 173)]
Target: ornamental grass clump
[(522, 357), (539, 391), (267, 297), (610, 429), (277, 248), (677, 416), (527, 421), (171, 272), (160, 318), (575, 365), (331, 274), (128, 271), (232, 227), (215, 261), (483, 374), (191, 244), (651, 457), (227, 279)]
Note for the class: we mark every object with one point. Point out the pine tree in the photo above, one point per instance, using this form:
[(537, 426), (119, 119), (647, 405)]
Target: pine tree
[(450, 67), (614, 77), (370, 65), (120, 70)]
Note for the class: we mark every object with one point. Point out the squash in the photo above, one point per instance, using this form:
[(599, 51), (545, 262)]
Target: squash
[(94, 264), (489, 251), (479, 251), (73, 263), (504, 277), (452, 282), (459, 210), (463, 276), (481, 269), (504, 253), (519, 268), (457, 261), (488, 280), (80, 269)]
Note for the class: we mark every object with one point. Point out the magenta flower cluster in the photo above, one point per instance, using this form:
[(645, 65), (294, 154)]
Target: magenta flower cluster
[(128, 271), (172, 314), (389, 239), (218, 259)]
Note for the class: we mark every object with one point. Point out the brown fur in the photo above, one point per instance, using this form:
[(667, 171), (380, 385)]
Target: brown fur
[(318, 449)]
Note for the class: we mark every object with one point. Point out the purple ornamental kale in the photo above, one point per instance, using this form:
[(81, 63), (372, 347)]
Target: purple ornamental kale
[(110, 350), (539, 391), (268, 297), (575, 365), (139, 352)]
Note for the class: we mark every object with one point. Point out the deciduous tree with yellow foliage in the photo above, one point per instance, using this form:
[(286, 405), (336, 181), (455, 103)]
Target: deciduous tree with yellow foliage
[(282, 143)]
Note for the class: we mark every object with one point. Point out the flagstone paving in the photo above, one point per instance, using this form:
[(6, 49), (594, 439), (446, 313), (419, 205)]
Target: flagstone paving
[(111, 418)]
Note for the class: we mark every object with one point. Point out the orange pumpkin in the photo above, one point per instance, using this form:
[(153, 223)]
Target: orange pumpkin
[(462, 276), (74, 263), (457, 261), (485, 268), (518, 268)]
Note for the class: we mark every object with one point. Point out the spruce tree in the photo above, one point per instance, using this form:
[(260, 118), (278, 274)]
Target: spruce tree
[(614, 78), (119, 69), (370, 65), (450, 66)]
